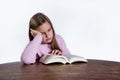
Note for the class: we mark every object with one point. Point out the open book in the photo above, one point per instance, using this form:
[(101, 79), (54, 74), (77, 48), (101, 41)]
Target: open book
[(49, 58)]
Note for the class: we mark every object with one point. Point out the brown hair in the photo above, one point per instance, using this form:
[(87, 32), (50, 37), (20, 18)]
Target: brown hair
[(37, 20)]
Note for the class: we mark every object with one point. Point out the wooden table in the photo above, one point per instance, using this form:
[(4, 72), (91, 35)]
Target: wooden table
[(93, 70)]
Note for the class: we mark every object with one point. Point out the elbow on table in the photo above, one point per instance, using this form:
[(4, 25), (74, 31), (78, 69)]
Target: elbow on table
[(28, 61)]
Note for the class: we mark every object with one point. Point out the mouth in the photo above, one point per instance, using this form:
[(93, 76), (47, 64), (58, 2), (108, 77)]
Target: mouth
[(48, 39)]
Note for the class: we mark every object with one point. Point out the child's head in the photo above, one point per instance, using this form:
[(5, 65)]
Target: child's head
[(42, 23)]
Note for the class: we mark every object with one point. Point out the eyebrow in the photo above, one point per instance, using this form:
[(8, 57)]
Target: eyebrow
[(47, 30)]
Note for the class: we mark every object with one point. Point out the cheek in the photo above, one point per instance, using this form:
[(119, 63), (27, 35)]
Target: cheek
[(51, 33), (43, 37)]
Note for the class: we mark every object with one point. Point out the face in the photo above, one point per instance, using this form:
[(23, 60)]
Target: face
[(47, 33)]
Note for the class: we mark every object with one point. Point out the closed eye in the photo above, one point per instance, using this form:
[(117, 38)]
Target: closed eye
[(43, 33), (49, 29)]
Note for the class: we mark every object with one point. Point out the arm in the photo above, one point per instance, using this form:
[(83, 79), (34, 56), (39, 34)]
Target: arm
[(62, 45), (30, 53)]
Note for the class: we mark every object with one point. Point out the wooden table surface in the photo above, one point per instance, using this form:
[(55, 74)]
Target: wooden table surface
[(93, 70)]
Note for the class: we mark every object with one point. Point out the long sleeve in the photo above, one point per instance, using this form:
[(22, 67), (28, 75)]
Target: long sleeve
[(30, 53), (62, 45)]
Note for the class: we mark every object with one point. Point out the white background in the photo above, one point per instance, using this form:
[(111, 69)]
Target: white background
[(90, 28)]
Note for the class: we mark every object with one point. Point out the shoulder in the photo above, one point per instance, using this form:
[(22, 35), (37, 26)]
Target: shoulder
[(59, 38)]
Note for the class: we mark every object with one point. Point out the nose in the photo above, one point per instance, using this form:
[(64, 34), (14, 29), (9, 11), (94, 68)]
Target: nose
[(46, 35)]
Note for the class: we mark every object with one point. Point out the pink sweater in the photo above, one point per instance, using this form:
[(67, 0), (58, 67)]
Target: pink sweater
[(35, 48)]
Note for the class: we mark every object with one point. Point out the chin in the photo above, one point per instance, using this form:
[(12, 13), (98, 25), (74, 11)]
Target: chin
[(48, 42)]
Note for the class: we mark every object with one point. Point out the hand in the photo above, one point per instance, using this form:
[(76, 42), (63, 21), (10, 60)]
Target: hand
[(34, 32), (56, 52)]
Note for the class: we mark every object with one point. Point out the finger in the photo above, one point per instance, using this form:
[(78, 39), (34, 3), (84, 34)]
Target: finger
[(56, 52), (35, 32), (60, 53), (31, 30), (52, 52), (32, 33)]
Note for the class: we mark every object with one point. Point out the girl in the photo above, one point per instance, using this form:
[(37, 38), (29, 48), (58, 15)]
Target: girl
[(43, 40)]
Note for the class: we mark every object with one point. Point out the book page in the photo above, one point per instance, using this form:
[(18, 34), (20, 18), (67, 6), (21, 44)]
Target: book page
[(75, 58), (47, 59)]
